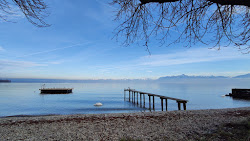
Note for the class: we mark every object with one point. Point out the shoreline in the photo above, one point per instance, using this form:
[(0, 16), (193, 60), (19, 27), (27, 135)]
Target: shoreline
[(167, 125), (138, 112)]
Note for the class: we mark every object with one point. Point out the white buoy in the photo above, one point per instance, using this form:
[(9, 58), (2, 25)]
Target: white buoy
[(98, 104)]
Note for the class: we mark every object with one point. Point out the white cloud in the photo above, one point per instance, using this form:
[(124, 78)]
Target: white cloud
[(10, 64), (147, 63), (191, 56), (55, 62)]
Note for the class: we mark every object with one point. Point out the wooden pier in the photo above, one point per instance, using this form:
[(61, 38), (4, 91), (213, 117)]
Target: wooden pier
[(133, 97), (56, 90)]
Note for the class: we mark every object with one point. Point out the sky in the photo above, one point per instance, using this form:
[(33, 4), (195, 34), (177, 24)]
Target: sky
[(79, 44)]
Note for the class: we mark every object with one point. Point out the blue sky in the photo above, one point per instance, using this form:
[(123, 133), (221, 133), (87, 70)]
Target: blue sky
[(79, 45)]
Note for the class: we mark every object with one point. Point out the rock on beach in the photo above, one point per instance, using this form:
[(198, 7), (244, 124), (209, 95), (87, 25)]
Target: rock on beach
[(170, 125)]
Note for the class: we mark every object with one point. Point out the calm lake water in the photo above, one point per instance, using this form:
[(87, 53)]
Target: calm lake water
[(25, 98)]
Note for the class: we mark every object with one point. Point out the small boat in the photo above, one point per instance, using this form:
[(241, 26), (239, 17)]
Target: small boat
[(5, 81), (98, 104), (56, 90)]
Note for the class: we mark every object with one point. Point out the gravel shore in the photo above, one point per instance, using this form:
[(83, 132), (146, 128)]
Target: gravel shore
[(170, 125)]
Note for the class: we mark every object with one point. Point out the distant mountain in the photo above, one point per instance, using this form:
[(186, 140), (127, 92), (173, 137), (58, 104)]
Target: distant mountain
[(243, 76), (30, 80), (183, 76)]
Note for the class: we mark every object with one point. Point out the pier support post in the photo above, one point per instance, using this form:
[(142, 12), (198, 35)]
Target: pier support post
[(161, 104), (134, 96), (179, 105), (137, 97), (140, 100), (153, 102), (184, 106), (129, 96), (149, 97), (166, 100)]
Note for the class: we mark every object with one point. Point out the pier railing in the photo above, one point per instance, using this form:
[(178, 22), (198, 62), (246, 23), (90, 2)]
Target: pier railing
[(133, 97)]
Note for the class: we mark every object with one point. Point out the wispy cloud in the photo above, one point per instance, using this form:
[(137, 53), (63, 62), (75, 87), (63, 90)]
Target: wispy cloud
[(191, 56), (18, 64), (52, 50)]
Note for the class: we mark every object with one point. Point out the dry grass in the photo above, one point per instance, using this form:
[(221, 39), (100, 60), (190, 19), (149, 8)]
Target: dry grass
[(239, 131)]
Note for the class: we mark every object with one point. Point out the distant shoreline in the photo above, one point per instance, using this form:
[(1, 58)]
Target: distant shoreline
[(169, 80), (170, 125)]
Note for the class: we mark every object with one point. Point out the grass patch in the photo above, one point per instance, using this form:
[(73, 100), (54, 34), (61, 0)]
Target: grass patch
[(230, 132)]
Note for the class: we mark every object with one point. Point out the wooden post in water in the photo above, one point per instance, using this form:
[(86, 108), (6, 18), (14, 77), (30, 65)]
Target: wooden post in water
[(134, 96), (129, 96), (149, 102), (137, 97), (184, 105), (179, 105), (153, 102), (166, 100), (140, 99), (161, 104)]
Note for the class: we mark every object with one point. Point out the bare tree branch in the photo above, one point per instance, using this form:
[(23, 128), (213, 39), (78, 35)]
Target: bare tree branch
[(34, 10), (221, 2), (216, 22)]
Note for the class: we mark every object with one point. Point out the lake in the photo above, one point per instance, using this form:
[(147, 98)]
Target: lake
[(25, 98)]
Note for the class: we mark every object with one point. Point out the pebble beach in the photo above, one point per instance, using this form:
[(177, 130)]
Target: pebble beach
[(170, 125)]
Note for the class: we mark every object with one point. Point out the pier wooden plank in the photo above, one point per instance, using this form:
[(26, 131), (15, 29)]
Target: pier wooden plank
[(165, 97)]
